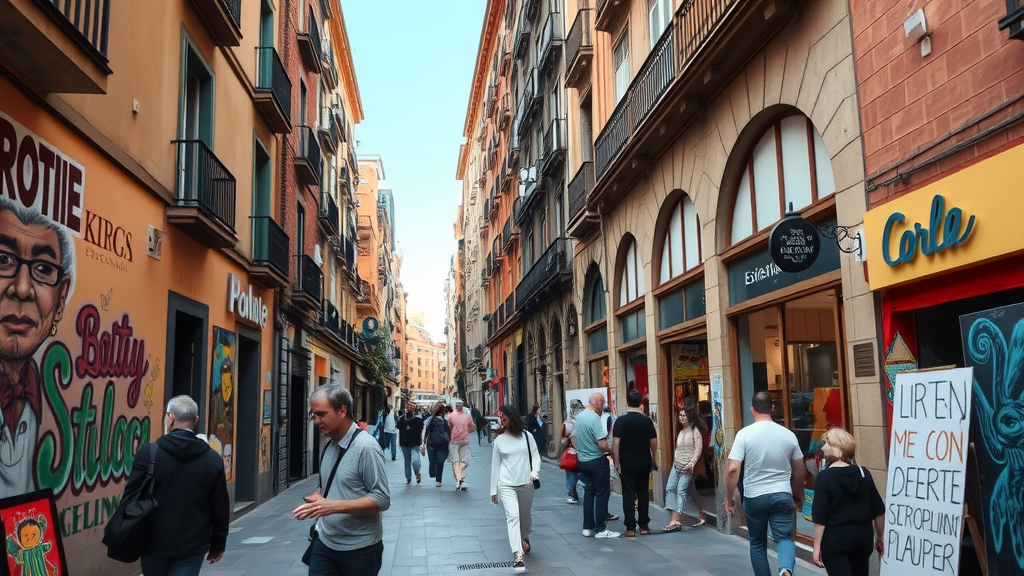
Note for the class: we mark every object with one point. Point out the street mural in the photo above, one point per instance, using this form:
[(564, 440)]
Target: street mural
[(76, 378), (222, 399)]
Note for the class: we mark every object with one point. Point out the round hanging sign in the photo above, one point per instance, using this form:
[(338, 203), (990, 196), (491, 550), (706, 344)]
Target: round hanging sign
[(370, 325), (794, 244)]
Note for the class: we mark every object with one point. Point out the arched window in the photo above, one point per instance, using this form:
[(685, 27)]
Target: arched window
[(788, 166), (681, 249), (595, 311), (631, 277), (630, 313)]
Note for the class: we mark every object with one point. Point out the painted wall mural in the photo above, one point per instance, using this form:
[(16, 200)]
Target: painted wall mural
[(222, 396)]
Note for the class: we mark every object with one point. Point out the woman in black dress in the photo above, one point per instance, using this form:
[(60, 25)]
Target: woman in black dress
[(846, 510)]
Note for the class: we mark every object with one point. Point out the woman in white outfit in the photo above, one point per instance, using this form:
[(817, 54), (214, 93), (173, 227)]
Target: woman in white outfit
[(515, 465)]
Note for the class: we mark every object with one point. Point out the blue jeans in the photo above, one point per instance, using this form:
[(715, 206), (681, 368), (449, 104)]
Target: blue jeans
[(436, 455), (172, 566), (389, 439), (411, 455), (676, 490), (596, 489), (363, 561), (571, 478), (776, 510)]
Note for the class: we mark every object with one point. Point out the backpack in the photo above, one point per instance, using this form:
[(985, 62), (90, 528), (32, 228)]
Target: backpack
[(127, 532), (438, 432)]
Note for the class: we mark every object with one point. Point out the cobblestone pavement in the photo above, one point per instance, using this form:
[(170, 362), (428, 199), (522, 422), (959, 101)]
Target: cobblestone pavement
[(435, 531)]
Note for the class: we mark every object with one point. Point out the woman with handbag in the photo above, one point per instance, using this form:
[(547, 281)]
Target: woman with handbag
[(689, 447), (436, 434), (568, 460), (515, 473)]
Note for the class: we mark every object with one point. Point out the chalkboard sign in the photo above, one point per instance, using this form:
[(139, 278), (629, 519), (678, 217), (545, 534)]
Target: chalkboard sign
[(992, 342), (794, 244)]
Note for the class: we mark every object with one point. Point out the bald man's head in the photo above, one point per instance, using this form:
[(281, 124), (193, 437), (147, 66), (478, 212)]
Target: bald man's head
[(597, 402)]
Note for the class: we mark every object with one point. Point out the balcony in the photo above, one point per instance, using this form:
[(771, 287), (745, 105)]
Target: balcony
[(547, 276), (222, 18), (533, 191), (365, 227), (269, 253), (508, 233), (330, 319), (533, 97), (308, 37), (57, 46), (611, 12), (329, 215), (551, 40), (368, 300), (328, 130), (205, 196), (579, 190), (522, 40), (554, 145), (273, 96), (579, 48), (309, 285), (330, 71), (308, 160), (505, 114), (485, 278), (506, 54)]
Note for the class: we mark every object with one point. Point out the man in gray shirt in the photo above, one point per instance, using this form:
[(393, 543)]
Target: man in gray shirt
[(348, 506)]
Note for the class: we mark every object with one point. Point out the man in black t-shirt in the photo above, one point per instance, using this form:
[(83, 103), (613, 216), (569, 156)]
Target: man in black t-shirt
[(634, 444), (410, 429)]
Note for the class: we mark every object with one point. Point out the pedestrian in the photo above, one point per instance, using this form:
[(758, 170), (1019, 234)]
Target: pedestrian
[(591, 440), (535, 426), (389, 434), (462, 424), (846, 510), (689, 447), (436, 435), (192, 520), (480, 422), (571, 478), (634, 445), (410, 430), (348, 505), (515, 465), (773, 485), (700, 470)]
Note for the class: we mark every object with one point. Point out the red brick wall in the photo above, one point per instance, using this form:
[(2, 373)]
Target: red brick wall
[(910, 104)]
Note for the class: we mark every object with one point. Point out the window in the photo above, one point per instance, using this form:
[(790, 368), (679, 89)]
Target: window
[(595, 312), (555, 104), (196, 96), (621, 62), (586, 130), (266, 24), (659, 16), (300, 230), (681, 250), (302, 103), (631, 280), (559, 214), (789, 166)]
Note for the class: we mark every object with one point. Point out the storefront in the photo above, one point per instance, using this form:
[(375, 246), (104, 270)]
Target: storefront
[(943, 257)]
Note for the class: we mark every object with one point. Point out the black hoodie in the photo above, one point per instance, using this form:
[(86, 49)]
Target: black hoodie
[(193, 509), (845, 494)]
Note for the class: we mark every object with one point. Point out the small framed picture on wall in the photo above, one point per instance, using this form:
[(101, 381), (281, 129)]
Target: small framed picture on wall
[(32, 535), (266, 406)]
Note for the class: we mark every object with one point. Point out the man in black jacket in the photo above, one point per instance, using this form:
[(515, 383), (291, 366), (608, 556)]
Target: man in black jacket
[(191, 519)]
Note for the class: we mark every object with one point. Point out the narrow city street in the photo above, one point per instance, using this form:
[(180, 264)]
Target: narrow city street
[(431, 530)]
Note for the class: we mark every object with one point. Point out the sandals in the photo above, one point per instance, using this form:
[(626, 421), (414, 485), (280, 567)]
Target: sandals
[(700, 523), (526, 545), (672, 527)]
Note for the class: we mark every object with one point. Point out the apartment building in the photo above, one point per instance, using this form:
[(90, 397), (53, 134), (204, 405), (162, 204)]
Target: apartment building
[(942, 109), (428, 364)]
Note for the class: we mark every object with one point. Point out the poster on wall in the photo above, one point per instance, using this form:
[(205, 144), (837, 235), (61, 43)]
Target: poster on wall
[(222, 399), (689, 374), (77, 328), (717, 425), (993, 343), (32, 539), (926, 481), (576, 400)]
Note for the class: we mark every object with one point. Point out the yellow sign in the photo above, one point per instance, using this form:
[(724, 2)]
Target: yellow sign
[(967, 218)]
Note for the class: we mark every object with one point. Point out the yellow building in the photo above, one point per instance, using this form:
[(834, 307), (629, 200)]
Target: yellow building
[(427, 363)]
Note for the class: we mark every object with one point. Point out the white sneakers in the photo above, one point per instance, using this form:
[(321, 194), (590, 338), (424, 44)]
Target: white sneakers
[(785, 572), (588, 533), (572, 501), (607, 534)]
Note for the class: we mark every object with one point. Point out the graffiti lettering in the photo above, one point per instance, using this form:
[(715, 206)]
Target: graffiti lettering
[(74, 519), (102, 232), (113, 354), (83, 450)]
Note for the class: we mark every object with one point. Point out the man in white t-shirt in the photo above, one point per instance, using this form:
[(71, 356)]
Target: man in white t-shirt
[(773, 485)]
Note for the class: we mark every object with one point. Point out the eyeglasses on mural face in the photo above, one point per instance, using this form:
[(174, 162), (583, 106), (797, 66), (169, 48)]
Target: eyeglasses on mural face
[(42, 271)]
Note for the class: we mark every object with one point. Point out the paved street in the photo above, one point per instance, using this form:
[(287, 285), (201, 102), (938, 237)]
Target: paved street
[(431, 530)]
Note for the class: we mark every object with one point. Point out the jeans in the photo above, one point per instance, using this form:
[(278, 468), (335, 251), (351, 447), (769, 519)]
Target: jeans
[(676, 490), (571, 478), (518, 504), (596, 489), (635, 485), (172, 566), (362, 561), (411, 455), (436, 455), (389, 439), (776, 510)]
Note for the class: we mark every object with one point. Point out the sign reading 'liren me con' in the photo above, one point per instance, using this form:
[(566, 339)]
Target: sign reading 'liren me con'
[(927, 472)]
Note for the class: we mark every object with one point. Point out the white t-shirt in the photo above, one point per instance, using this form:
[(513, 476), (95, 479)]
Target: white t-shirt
[(768, 450), (510, 461)]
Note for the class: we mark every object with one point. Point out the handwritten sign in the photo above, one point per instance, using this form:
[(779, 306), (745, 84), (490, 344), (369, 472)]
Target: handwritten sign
[(927, 472)]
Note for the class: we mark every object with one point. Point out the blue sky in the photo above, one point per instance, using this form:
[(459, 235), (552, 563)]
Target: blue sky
[(414, 63)]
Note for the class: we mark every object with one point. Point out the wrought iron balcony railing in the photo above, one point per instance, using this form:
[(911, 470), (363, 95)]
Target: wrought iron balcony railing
[(269, 244), (579, 189), (579, 46), (554, 144), (308, 37), (203, 182), (87, 21), (310, 280), (556, 261), (551, 39), (329, 214), (272, 80), (308, 158)]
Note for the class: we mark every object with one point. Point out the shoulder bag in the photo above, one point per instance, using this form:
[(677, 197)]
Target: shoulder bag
[(529, 453), (569, 460), (313, 534), (127, 532)]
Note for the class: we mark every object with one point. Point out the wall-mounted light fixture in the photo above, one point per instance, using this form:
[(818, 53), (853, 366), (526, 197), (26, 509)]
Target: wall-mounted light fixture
[(917, 31)]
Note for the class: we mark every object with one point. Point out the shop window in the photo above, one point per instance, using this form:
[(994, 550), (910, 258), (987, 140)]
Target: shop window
[(792, 351), (788, 166)]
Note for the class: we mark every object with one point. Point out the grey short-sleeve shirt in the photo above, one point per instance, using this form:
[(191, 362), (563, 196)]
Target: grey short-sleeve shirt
[(360, 473)]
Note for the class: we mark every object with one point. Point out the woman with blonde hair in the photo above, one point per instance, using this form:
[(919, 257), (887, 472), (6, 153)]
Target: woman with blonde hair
[(846, 508), (689, 447), (515, 469)]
